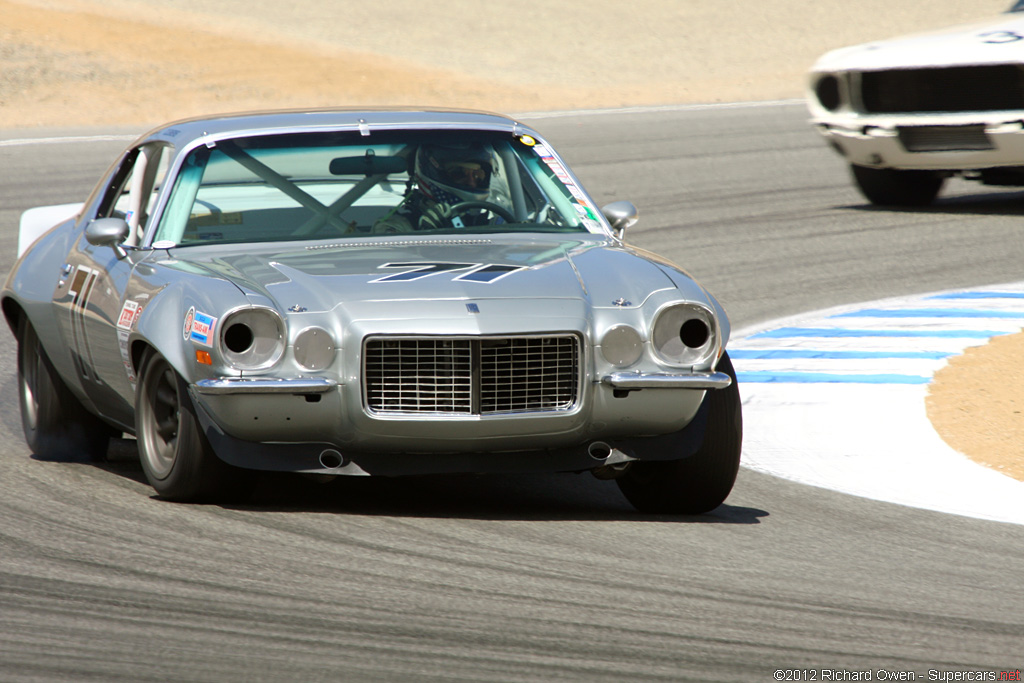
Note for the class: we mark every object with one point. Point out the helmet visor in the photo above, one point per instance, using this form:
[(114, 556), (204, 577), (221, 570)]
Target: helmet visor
[(465, 168), (466, 175)]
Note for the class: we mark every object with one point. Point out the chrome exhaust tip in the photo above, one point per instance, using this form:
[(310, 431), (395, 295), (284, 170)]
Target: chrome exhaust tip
[(331, 459)]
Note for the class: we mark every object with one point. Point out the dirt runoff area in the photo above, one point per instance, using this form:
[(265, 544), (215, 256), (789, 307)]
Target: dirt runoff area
[(74, 63)]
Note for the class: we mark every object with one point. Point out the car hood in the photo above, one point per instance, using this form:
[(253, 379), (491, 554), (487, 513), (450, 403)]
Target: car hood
[(995, 41), (318, 278)]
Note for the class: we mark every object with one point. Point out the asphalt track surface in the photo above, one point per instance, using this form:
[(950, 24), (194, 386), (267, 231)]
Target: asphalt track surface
[(540, 578)]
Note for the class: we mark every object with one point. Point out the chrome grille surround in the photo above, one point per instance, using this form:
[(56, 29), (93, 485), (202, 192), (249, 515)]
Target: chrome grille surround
[(501, 375)]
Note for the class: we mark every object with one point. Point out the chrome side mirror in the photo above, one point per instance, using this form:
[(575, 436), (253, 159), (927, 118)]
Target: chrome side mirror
[(621, 215), (109, 232)]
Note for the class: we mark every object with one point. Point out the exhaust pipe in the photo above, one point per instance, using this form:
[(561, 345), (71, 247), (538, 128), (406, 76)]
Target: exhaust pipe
[(331, 459), (599, 450), (615, 462)]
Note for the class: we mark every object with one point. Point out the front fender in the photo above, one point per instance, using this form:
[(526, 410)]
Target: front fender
[(161, 325)]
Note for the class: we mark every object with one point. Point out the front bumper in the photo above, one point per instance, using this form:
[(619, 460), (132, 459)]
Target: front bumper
[(648, 380), (301, 386), (287, 425), (587, 452), (926, 142)]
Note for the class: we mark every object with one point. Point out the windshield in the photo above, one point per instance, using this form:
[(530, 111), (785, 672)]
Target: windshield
[(1017, 6), (331, 185)]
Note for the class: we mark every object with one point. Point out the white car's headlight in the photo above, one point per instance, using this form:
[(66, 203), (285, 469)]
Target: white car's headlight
[(252, 338), (685, 334), (827, 92), (314, 348), (622, 346)]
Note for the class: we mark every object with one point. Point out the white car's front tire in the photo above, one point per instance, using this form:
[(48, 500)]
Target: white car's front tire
[(894, 187)]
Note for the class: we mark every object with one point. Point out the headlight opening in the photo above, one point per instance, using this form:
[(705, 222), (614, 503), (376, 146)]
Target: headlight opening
[(828, 93), (252, 338), (314, 348), (622, 346), (685, 335)]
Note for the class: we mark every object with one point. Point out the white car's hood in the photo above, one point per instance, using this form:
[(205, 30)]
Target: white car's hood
[(996, 41)]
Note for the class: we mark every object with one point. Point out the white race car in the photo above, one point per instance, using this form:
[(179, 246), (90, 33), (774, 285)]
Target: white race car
[(908, 113)]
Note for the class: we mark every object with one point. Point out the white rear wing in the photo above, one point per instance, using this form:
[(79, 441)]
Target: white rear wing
[(37, 221)]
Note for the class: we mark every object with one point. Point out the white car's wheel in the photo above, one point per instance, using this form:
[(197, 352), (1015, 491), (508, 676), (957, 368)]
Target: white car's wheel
[(893, 187), (175, 455), (701, 482), (55, 423)]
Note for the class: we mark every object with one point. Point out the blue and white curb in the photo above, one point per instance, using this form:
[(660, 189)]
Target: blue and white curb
[(836, 398)]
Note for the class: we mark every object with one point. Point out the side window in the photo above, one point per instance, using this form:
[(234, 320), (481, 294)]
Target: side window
[(112, 204), (135, 186)]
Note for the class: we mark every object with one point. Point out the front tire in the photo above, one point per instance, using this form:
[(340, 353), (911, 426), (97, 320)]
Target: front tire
[(175, 455), (56, 425), (703, 481), (894, 187)]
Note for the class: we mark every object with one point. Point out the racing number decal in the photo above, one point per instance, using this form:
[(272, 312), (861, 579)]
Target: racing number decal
[(1000, 37), (476, 272), (80, 289), (489, 273), (416, 271)]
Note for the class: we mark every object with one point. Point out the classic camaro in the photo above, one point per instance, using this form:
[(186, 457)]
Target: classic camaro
[(908, 113), (367, 293)]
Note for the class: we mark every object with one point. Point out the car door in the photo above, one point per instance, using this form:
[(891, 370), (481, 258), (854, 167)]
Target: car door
[(91, 296)]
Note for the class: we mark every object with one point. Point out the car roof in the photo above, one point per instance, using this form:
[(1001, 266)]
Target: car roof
[(183, 133)]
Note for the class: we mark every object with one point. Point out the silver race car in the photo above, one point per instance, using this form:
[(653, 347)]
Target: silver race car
[(908, 113), (367, 293)]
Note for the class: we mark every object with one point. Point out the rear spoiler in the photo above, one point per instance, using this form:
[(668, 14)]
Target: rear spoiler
[(39, 220)]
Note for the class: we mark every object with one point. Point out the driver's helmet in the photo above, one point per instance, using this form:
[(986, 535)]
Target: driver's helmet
[(451, 174)]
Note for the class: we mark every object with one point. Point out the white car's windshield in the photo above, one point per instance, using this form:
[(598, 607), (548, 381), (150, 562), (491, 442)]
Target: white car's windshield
[(330, 185)]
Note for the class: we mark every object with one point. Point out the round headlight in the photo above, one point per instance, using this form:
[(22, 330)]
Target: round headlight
[(252, 338), (314, 348), (827, 92), (685, 334), (622, 346)]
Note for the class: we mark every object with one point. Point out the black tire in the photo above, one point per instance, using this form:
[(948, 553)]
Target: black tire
[(56, 425), (175, 455), (893, 187), (703, 481)]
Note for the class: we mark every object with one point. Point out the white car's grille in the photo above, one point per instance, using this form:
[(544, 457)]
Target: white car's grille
[(471, 376), (998, 87)]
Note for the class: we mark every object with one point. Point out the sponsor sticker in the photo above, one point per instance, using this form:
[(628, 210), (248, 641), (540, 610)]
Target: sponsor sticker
[(189, 317), (122, 342), (203, 327), (129, 314)]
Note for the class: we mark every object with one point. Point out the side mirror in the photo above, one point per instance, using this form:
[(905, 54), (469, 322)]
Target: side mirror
[(109, 232), (621, 215)]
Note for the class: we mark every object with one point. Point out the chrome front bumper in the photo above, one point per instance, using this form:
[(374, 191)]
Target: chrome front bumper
[(648, 380), (264, 385)]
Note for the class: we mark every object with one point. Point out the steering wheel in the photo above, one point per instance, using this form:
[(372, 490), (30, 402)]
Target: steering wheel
[(496, 209)]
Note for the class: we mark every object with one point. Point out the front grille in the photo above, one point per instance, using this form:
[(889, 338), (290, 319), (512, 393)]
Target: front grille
[(471, 376), (998, 87), (944, 138)]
